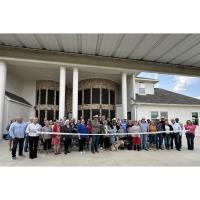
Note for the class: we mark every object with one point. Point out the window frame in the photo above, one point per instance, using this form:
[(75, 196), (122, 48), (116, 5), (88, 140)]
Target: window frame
[(196, 122), (139, 88)]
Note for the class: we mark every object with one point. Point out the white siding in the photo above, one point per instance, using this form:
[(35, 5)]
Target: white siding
[(149, 87), (184, 113), (14, 109)]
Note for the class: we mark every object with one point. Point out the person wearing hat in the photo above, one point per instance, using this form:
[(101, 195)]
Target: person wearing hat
[(144, 126), (95, 130), (159, 136)]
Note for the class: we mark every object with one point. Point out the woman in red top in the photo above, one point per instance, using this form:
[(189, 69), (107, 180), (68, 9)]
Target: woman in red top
[(89, 128), (190, 134), (56, 137)]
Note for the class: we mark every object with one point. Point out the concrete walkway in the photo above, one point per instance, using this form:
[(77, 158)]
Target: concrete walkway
[(120, 158)]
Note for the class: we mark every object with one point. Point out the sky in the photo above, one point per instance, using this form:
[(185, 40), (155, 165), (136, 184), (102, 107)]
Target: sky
[(186, 85)]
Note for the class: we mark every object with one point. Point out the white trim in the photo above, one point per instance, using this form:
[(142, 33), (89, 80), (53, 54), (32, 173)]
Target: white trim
[(156, 104), (68, 64), (9, 99), (146, 80)]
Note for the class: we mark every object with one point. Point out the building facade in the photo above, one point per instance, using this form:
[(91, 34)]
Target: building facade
[(53, 93)]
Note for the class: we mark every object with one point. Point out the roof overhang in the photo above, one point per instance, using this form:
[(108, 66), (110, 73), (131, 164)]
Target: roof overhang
[(8, 53)]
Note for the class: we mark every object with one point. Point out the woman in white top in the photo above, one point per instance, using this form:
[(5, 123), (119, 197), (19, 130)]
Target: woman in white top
[(33, 129), (106, 130)]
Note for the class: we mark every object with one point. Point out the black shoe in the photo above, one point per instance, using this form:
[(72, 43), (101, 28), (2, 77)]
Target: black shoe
[(66, 152), (97, 151), (93, 152), (22, 155), (146, 149)]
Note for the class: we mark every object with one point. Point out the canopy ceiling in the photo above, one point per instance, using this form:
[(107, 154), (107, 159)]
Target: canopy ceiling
[(178, 50)]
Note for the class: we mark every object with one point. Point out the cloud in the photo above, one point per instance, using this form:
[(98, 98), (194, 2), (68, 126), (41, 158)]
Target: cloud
[(182, 82)]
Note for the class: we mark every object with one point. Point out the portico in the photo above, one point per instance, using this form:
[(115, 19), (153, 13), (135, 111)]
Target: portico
[(54, 91)]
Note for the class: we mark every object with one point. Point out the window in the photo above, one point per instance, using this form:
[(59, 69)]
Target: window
[(36, 113), (129, 115), (43, 97), (79, 114), (95, 95), (86, 114), (57, 114), (112, 114), (80, 97), (50, 115), (57, 98), (104, 96), (87, 96), (164, 114), (195, 118), (50, 99), (154, 115), (95, 112), (112, 97), (42, 116), (104, 113), (37, 97), (141, 88)]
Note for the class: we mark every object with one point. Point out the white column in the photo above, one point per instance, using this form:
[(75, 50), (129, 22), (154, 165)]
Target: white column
[(134, 86), (3, 71), (124, 95), (75, 94), (62, 92)]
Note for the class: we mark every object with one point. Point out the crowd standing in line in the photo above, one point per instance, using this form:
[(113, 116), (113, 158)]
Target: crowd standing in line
[(98, 133)]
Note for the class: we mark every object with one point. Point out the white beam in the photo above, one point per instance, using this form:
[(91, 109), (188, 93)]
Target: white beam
[(124, 95), (3, 71), (62, 92), (75, 94)]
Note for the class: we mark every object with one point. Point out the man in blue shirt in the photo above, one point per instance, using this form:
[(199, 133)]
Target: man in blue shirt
[(17, 132)]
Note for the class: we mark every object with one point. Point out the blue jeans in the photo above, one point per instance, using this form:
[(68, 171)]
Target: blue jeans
[(159, 140), (143, 141), (95, 142), (167, 141), (190, 141), (152, 139), (26, 143)]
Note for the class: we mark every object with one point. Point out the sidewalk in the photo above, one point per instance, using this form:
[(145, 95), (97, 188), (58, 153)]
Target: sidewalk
[(119, 158)]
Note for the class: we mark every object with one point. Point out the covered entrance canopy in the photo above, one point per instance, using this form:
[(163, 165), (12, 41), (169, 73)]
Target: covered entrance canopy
[(165, 53), (31, 56)]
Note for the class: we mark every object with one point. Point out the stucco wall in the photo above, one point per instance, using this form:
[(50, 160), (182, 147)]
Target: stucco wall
[(13, 84), (29, 94)]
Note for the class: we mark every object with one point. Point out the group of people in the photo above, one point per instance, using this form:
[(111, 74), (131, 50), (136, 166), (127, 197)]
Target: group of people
[(98, 133)]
